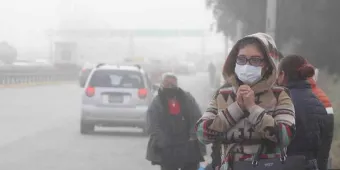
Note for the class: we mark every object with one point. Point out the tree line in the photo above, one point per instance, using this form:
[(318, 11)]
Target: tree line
[(308, 27)]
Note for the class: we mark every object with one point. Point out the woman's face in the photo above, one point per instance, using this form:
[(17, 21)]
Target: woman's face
[(251, 55)]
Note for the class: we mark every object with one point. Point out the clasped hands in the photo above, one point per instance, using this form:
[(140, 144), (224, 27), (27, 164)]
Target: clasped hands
[(245, 97)]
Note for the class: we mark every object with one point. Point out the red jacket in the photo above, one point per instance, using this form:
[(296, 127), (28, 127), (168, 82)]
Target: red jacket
[(319, 93)]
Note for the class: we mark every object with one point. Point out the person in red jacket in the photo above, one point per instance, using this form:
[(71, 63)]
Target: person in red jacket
[(322, 96), (327, 138)]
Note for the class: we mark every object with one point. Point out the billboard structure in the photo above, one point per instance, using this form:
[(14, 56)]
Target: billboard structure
[(103, 45)]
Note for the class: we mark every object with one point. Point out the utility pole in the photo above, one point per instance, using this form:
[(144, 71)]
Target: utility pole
[(271, 13), (239, 29)]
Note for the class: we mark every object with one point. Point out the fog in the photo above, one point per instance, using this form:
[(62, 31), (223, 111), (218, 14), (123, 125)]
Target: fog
[(24, 24), (77, 76), (42, 70)]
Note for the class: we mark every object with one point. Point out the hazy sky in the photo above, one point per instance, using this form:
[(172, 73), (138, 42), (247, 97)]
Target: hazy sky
[(139, 13), (24, 22)]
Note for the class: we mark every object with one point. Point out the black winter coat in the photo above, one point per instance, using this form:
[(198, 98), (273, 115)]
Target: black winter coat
[(309, 115), (158, 138)]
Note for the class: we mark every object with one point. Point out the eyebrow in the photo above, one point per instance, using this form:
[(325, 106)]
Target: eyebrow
[(251, 56)]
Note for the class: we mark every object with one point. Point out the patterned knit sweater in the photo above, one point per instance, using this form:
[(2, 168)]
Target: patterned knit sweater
[(243, 131)]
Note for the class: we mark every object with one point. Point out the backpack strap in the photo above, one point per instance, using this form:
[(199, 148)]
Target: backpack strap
[(216, 154)]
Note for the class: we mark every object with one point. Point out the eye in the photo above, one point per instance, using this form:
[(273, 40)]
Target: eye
[(256, 61), (241, 60)]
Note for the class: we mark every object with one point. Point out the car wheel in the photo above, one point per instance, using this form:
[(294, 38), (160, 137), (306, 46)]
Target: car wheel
[(86, 128)]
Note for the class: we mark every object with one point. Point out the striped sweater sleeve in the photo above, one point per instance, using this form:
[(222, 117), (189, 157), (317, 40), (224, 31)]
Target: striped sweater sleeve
[(216, 122), (283, 120)]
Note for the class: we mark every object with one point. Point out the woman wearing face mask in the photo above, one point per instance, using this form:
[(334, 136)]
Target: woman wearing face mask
[(313, 135), (252, 109)]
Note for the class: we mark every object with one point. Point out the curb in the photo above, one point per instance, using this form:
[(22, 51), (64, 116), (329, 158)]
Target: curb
[(35, 84)]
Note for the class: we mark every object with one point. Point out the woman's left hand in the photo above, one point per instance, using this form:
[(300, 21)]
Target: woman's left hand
[(249, 99)]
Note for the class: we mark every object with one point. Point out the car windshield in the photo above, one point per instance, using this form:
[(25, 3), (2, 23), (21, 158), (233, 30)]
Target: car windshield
[(117, 79)]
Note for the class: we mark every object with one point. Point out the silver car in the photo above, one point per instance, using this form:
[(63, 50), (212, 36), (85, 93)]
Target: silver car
[(116, 96)]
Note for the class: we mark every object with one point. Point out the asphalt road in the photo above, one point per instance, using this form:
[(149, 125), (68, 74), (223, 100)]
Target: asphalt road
[(39, 129)]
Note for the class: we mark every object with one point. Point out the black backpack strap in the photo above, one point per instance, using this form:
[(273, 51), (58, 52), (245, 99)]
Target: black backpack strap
[(216, 154)]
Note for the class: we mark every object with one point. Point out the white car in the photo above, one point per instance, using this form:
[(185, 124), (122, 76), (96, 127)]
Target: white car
[(116, 95)]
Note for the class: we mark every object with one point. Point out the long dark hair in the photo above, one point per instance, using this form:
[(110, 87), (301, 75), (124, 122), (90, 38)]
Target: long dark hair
[(296, 68)]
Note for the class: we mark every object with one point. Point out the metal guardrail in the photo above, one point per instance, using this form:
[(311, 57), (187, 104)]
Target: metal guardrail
[(9, 79), (17, 76)]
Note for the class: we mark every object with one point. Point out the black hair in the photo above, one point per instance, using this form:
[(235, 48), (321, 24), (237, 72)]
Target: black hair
[(296, 68)]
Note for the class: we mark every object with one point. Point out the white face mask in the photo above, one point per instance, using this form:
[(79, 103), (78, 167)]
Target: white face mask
[(248, 74)]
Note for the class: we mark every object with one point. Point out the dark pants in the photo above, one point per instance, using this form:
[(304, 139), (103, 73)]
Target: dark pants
[(186, 167)]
